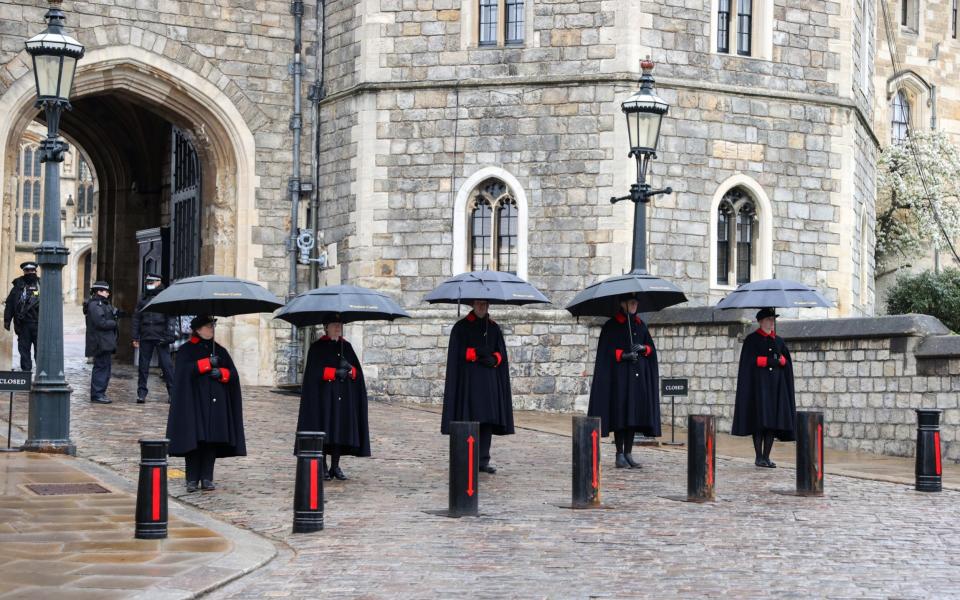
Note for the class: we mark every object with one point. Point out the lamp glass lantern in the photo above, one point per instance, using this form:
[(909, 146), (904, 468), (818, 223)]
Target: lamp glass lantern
[(644, 111), (55, 57)]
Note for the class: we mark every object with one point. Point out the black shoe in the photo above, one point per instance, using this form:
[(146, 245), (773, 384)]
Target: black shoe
[(326, 474), (208, 485), (337, 472), (633, 464), (759, 462), (621, 461), (488, 468), (101, 400), (769, 464), (193, 486), (141, 400)]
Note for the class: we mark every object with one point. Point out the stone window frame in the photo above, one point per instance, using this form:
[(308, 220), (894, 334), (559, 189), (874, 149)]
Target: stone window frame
[(917, 93), (761, 31), (495, 204), (761, 266), (470, 26), (31, 185), (463, 205), (909, 17)]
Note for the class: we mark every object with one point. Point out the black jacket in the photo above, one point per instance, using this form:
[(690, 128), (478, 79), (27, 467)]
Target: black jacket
[(335, 406), (765, 396), (474, 391), (625, 394), (13, 299), (201, 408), (152, 326), (101, 326)]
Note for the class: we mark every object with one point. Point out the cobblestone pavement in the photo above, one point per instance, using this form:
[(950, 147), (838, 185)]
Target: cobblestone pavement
[(863, 539)]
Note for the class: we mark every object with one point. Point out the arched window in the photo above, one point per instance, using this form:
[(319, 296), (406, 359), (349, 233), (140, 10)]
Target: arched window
[(736, 237), (494, 227), (900, 119), (84, 189), (30, 197)]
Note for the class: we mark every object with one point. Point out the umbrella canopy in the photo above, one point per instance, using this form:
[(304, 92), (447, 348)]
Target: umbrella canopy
[(496, 287), (602, 299), (213, 295), (774, 293), (341, 303)]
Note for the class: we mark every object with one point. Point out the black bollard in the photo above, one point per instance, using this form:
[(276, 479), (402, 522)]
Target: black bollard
[(586, 462), (308, 488), (809, 431), (701, 457), (151, 516), (464, 468), (928, 467)]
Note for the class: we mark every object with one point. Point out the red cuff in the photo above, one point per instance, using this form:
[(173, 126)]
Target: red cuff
[(761, 361), (647, 350), (203, 365), (499, 359), (783, 360), (224, 375), (617, 354), (353, 373), (471, 355), (329, 374)]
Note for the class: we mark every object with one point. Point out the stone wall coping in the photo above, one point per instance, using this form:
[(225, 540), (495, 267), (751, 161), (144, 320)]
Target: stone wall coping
[(939, 346), (892, 326)]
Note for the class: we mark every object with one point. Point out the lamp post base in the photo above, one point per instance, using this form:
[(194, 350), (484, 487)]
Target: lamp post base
[(49, 420), (50, 447)]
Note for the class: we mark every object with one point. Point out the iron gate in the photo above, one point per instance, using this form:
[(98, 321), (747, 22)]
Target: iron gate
[(185, 204)]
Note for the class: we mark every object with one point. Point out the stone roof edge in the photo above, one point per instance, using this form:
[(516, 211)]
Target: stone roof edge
[(939, 346)]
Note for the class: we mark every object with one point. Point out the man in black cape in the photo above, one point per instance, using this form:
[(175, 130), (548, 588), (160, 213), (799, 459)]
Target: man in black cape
[(23, 309), (765, 407), (478, 380), (625, 392), (333, 399), (152, 332), (206, 412)]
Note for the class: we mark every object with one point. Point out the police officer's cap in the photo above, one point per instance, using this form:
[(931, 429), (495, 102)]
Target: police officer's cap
[(151, 277), (100, 285), (766, 313), (201, 320), (28, 266)]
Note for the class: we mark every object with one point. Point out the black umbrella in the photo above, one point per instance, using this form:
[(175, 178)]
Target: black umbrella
[(341, 303), (774, 293), (496, 287), (217, 295), (602, 299)]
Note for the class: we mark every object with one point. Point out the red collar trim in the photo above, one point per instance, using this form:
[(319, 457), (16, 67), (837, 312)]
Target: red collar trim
[(622, 318), (471, 317), (194, 339), (772, 334)]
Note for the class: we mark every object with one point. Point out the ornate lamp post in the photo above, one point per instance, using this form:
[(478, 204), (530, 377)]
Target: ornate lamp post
[(55, 57), (644, 111)]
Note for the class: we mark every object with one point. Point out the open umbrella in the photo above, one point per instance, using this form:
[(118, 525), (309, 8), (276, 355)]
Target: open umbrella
[(217, 295), (343, 303), (496, 287), (602, 299), (774, 293)]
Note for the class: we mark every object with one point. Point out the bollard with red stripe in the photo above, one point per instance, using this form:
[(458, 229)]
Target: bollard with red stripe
[(151, 515), (701, 457), (464, 468), (308, 488), (586, 462), (928, 467), (809, 432)]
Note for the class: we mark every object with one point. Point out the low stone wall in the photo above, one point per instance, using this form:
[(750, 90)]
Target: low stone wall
[(867, 375)]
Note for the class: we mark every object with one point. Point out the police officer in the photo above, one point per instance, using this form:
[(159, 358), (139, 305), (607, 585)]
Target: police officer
[(101, 338), (23, 309), (151, 332)]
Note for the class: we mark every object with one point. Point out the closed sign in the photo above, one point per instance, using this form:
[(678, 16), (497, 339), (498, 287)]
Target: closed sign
[(673, 387), (14, 381)]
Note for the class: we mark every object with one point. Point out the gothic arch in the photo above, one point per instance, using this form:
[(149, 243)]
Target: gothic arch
[(764, 218)]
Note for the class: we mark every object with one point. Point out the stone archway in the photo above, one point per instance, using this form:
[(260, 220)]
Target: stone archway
[(124, 98)]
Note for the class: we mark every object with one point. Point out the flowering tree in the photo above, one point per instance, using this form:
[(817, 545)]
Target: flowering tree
[(911, 215)]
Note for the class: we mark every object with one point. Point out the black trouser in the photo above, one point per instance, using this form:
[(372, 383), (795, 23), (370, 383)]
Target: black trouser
[(486, 437), (147, 348), (27, 337), (100, 378), (200, 462)]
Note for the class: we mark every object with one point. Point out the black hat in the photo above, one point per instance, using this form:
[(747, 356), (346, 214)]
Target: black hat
[(28, 266), (332, 318), (628, 296), (151, 277), (764, 313), (200, 320), (100, 285)]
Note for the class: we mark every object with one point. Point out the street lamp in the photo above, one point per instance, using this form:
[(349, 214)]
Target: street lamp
[(55, 57), (644, 111)]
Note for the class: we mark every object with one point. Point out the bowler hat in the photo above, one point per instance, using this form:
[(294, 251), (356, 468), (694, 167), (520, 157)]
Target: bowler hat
[(764, 313), (201, 320)]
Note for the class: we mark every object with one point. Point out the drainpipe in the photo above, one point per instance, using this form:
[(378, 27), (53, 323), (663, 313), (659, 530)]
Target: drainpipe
[(316, 94), (294, 186)]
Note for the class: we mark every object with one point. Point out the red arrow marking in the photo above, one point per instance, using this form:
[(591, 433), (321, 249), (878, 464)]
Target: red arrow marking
[(596, 484), (819, 452), (710, 461), (936, 442), (155, 504), (470, 466)]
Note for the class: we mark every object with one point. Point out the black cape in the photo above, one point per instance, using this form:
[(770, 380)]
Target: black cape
[(338, 407), (625, 395), (194, 415), (765, 398), (472, 391)]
